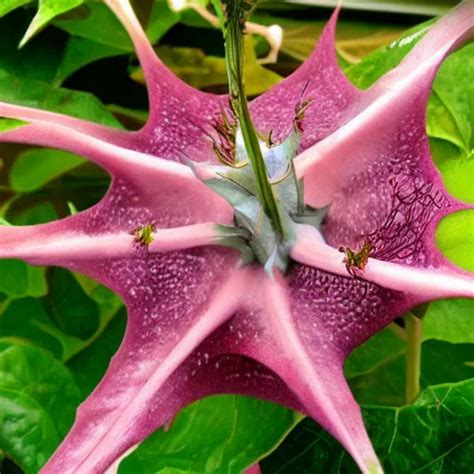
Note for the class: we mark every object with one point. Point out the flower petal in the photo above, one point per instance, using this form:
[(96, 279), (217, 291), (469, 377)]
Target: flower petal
[(319, 80), (181, 117), (384, 130), (169, 318), (284, 329), (42, 249), (422, 283)]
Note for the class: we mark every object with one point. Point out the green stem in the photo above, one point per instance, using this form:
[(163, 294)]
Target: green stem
[(414, 333), (234, 59)]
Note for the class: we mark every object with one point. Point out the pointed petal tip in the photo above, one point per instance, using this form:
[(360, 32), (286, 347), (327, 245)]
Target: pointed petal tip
[(373, 466), (336, 12), (321, 389)]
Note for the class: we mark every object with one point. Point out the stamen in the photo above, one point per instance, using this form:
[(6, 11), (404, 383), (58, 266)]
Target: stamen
[(225, 148), (356, 260), (144, 235), (300, 109)]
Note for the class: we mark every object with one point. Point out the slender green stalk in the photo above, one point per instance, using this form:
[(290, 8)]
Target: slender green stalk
[(235, 11), (414, 333)]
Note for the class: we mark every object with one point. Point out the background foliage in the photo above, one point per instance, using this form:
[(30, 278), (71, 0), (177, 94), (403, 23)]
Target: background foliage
[(58, 330)]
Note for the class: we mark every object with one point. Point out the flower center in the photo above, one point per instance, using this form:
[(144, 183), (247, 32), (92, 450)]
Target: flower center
[(258, 177), (237, 183)]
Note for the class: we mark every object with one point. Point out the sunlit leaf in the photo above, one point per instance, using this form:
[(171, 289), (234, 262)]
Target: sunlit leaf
[(441, 419), (47, 10), (454, 238), (214, 435), (34, 390), (6, 6), (34, 168), (202, 71)]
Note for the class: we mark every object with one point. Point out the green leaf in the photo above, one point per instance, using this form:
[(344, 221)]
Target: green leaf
[(441, 419), (19, 279), (39, 213), (449, 119), (455, 90), (34, 168), (49, 322), (201, 71), (457, 172), (455, 237), (443, 362), (72, 310), (38, 398), (96, 22), (162, 19), (6, 6), (81, 309), (89, 365), (383, 384), (14, 280), (450, 320), (39, 59), (378, 350), (214, 435), (27, 319), (376, 370), (31, 93), (377, 63), (10, 124), (48, 9), (81, 51)]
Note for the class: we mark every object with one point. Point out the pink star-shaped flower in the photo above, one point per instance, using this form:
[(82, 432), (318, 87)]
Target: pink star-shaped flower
[(200, 321)]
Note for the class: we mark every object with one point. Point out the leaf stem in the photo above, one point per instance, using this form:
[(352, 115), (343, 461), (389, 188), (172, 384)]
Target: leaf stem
[(235, 21), (414, 333)]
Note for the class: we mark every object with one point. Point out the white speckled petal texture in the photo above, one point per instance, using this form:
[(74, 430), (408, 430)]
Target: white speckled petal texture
[(198, 322), (377, 173), (319, 79)]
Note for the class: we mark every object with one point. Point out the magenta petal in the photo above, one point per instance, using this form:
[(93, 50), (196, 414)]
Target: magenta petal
[(181, 117), (29, 114), (174, 302), (254, 469), (376, 170), (422, 284), (285, 328), (383, 134), (320, 79)]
